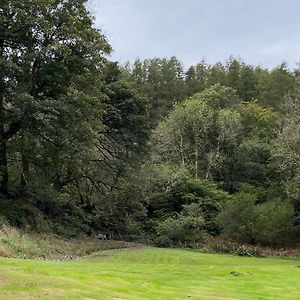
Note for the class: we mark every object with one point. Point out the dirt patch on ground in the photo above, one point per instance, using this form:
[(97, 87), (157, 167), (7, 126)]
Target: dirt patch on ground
[(4, 281)]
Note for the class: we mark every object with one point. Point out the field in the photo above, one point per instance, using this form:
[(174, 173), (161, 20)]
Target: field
[(150, 273)]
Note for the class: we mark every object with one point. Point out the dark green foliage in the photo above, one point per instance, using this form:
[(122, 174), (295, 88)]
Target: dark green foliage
[(121, 212), (270, 223), (161, 81), (275, 224), (185, 230), (71, 123), (248, 84), (233, 73), (273, 86), (196, 79), (214, 136), (178, 193), (164, 82), (55, 57), (238, 218), (43, 214)]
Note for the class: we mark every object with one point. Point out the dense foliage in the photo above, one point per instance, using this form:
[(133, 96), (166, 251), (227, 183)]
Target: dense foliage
[(70, 121), (150, 151)]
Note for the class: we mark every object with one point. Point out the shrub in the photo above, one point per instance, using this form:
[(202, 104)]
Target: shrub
[(275, 223), (238, 217), (269, 224), (169, 195), (244, 251), (187, 229), (3, 221)]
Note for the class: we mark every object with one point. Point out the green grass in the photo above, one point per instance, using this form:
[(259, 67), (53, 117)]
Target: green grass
[(151, 274)]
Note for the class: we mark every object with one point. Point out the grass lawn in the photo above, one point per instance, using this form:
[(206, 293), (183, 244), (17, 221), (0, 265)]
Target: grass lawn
[(151, 274)]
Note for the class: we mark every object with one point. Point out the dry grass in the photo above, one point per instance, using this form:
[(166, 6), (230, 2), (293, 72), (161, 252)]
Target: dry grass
[(220, 245), (19, 244)]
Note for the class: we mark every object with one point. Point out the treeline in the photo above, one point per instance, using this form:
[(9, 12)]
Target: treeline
[(165, 81), (150, 151)]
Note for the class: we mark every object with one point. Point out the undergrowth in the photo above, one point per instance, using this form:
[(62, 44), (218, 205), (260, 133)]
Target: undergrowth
[(21, 244)]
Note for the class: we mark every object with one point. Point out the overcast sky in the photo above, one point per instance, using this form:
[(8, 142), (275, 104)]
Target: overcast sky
[(264, 32)]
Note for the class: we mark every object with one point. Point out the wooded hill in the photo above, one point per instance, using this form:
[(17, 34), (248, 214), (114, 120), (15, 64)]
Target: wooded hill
[(151, 151)]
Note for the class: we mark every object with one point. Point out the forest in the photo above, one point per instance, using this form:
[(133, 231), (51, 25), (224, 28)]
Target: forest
[(153, 151)]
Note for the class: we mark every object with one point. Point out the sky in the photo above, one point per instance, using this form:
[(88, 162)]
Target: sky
[(261, 32)]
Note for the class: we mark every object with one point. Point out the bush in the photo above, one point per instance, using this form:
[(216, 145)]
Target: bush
[(269, 224), (185, 230), (238, 218), (3, 221), (169, 195), (25, 215), (275, 224), (220, 245), (244, 251)]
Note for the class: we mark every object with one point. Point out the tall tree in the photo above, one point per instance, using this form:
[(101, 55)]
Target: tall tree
[(233, 73), (50, 62), (274, 85), (200, 133), (196, 78), (247, 85), (161, 81)]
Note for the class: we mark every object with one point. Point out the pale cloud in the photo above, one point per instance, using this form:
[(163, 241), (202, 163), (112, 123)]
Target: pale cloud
[(260, 31)]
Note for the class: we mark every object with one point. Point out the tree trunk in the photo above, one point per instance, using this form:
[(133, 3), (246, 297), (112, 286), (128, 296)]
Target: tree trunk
[(25, 172), (196, 162), (3, 164), (3, 155)]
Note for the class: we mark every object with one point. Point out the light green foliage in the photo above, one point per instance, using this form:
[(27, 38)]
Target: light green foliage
[(201, 134), (183, 133), (286, 147), (218, 97), (260, 122), (165, 83)]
